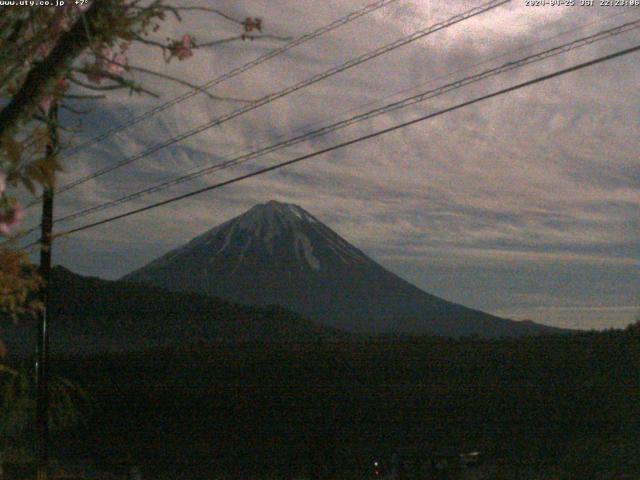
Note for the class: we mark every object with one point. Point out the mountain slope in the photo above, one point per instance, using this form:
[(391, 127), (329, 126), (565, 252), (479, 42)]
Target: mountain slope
[(278, 253), (90, 315)]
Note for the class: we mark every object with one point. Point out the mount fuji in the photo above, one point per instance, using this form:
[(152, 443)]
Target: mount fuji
[(280, 254)]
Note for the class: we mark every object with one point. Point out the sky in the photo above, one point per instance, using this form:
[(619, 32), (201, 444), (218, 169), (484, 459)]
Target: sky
[(525, 205)]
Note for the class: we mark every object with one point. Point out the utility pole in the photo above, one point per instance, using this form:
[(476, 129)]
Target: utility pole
[(42, 352)]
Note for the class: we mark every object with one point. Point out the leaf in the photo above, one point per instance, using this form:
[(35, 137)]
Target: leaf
[(12, 149)]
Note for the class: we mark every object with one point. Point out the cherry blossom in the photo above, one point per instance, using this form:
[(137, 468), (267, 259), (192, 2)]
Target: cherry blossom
[(116, 63), (10, 218), (108, 61), (94, 77), (182, 48), (60, 24), (251, 23), (43, 49), (61, 86), (45, 103)]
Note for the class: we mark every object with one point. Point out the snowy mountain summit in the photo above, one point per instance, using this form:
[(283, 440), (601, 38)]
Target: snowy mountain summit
[(279, 254), (282, 233), (285, 229)]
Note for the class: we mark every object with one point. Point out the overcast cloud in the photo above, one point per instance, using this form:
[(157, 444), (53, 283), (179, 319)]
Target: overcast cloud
[(524, 205)]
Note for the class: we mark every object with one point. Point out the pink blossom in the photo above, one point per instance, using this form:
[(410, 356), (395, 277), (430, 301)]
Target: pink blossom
[(108, 61), (10, 218), (94, 77), (251, 23), (182, 48), (116, 63), (111, 61), (43, 49), (45, 103), (59, 24), (62, 85)]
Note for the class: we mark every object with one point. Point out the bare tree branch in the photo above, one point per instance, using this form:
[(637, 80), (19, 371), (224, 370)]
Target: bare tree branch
[(174, 11), (82, 97), (188, 84), (90, 86), (80, 112), (211, 10), (244, 36), (120, 82), (150, 42)]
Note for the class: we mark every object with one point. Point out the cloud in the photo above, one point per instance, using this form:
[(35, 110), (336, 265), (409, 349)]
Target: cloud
[(543, 176)]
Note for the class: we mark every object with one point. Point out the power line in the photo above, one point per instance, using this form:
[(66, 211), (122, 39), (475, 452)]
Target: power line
[(602, 35), (406, 102), (356, 140), (370, 55), (233, 73), (291, 89)]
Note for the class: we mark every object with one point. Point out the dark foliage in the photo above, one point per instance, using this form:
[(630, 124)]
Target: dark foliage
[(529, 405), (90, 315)]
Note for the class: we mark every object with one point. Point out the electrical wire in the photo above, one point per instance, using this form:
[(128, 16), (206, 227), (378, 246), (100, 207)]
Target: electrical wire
[(232, 73), (291, 89), (423, 118), (602, 35), (404, 103)]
